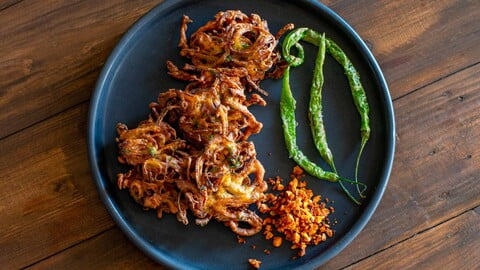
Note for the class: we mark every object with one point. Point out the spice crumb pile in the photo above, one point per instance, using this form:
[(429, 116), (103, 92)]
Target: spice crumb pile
[(296, 214)]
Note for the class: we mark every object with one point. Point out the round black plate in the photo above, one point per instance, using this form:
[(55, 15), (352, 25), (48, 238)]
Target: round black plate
[(135, 74)]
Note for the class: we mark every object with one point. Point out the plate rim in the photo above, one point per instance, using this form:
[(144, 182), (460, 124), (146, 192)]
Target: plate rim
[(106, 76)]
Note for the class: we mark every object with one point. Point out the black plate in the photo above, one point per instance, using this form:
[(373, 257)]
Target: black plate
[(134, 75)]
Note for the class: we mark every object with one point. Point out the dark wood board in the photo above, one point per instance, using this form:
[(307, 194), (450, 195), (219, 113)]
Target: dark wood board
[(433, 179), (52, 51), (450, 245)]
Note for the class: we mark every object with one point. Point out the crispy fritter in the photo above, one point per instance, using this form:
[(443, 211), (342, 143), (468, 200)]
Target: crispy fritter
[(192, 152)]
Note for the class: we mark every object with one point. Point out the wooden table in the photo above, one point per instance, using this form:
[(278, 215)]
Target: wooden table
[(51, 52)]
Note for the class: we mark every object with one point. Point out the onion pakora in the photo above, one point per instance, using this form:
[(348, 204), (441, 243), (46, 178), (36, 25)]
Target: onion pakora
[(233, 40), (192, 153)]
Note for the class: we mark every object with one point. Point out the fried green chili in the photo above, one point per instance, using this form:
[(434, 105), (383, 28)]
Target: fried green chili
[(287, 113), (315, 112), (315, 106), (358, 93), (290, 40)]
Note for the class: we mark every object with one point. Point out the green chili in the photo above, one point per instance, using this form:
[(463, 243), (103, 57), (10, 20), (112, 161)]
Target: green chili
[(287, 113), (290, 40), (359, 98), (315, 114), (358, 93), (152, 151), (315, 106), (235, 163)]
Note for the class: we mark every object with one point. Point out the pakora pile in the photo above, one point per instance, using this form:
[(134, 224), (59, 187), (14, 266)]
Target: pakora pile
[(193, 153)]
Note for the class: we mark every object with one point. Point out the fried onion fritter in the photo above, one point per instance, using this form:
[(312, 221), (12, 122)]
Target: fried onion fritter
[(192, 153)]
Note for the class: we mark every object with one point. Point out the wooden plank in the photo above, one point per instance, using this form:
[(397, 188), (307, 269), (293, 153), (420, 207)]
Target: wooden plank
[(51, 51), (50, 202), (110, 250), (452, 245), (8, 3), (447, 246), (416, 42), (437, 165), (434, 178)]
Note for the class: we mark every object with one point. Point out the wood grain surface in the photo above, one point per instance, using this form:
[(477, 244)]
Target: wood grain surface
[(52, 202), (52, 51), (116, 253), (443, 184), (450, 245), (436, 170)]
